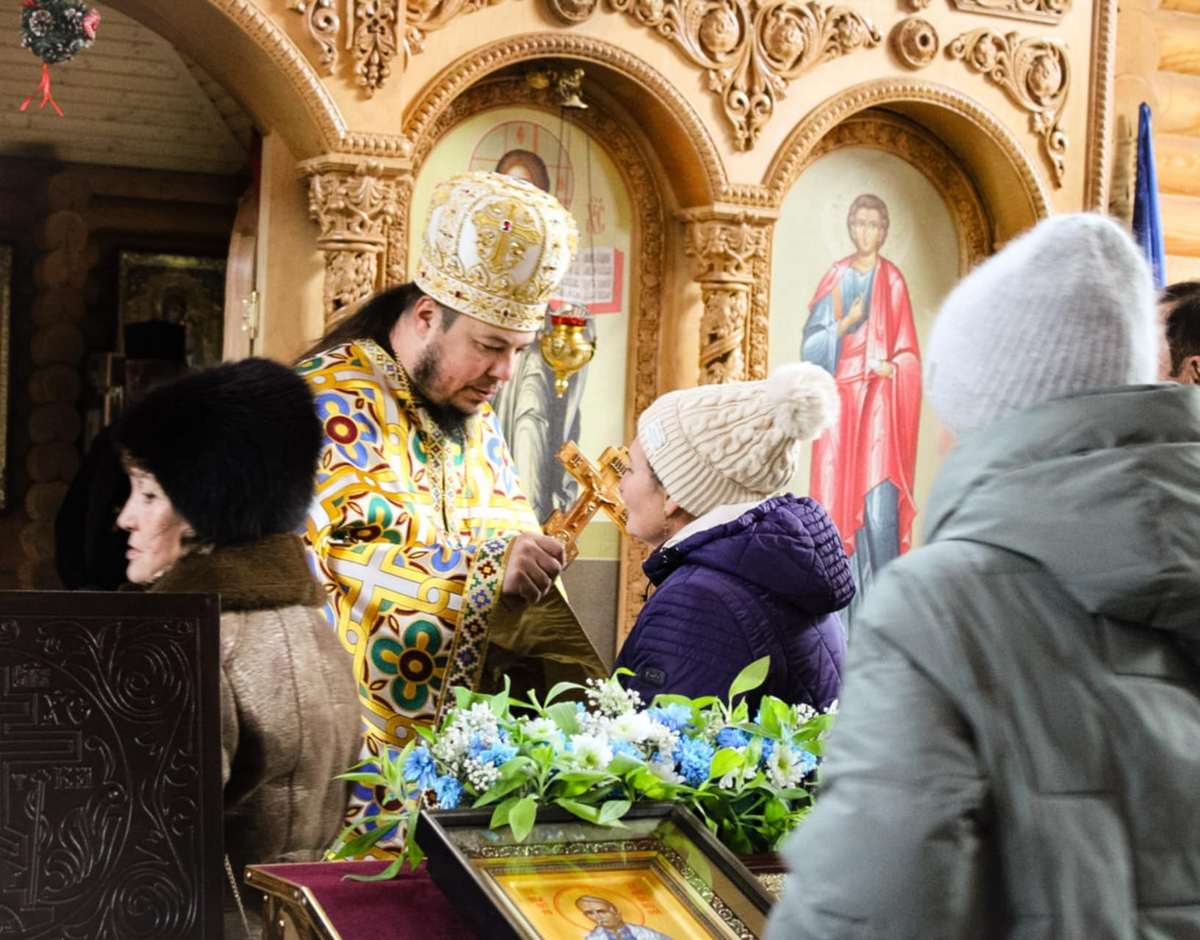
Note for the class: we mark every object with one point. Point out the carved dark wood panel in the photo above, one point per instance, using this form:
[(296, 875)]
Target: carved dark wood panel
[(110, 759)]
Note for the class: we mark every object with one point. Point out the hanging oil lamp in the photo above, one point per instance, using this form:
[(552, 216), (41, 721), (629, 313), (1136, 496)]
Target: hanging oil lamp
[(565, 345)]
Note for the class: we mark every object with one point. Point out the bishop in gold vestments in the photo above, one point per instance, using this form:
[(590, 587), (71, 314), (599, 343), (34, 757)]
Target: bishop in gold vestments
[(412, 523)]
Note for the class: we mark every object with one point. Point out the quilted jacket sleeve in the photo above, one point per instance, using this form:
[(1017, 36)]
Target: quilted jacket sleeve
[(893, 847)]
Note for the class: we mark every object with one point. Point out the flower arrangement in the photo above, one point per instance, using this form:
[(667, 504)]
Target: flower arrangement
[(751, 781), (55, 31)]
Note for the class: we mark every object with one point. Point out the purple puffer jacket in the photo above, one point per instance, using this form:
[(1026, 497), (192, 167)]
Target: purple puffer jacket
[(766, 584)]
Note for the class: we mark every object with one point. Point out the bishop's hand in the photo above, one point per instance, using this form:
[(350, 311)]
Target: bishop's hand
[(534, 561)]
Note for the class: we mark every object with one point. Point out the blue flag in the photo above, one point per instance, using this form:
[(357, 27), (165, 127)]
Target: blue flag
[(1147, 224)]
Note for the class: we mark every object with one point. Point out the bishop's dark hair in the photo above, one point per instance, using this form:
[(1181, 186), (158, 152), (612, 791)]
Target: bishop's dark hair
[(375, 319), (1183, 321)]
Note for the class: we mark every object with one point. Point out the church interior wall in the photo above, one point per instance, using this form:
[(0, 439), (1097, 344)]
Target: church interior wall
[(1020, 94), (65, 310), (290, 266)]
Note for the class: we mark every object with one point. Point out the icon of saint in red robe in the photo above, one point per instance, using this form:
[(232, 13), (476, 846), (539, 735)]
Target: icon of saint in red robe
[(860, 328)]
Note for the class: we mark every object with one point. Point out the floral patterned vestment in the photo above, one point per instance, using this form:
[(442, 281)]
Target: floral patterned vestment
[(409, 529)]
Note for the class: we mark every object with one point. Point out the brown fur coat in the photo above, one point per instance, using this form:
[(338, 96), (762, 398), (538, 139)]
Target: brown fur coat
[(289, 713)]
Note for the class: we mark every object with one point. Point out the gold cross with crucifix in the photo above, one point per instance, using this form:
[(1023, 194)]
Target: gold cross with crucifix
[(598, 491)]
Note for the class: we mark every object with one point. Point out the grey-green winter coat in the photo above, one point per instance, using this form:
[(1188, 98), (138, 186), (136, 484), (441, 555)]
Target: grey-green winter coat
[(1018, 752)]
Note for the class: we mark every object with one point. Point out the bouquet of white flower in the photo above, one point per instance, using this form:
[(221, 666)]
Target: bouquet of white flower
[(751, 781)]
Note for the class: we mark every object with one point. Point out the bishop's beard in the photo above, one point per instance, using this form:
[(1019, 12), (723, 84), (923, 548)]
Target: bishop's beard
[(450, 419)]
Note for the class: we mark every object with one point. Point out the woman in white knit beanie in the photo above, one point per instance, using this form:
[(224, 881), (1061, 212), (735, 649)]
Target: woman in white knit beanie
[(741, 571)]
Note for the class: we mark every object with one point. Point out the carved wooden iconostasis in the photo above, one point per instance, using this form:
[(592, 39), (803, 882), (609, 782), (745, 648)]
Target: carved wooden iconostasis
[(727, 137)]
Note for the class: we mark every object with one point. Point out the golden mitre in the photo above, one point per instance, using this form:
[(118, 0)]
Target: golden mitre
[(496, 248)]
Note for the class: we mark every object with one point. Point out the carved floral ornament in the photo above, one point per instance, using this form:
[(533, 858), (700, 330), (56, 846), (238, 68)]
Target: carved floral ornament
[(355, 209), (1041, 11), (750, 50), (725, 254), (915, 42), (376, 31), (1035, 73)]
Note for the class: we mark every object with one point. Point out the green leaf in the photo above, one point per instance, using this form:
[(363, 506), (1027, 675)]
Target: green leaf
[(517, 768), (559, 688), (415, 854), (586, 776), (563, 715), (750, 678), (462, 697), (776, 811), (390, 872), (725, 760), (664, 698), (522, 817), (498, 703), (499, 789), (500, 813), (780, 709), (582, 810), (622, 764), (371, 779), (612, 811), (651, 786), (355, 847)]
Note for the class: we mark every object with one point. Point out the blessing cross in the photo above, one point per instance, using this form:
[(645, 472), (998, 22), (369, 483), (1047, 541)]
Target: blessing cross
[(598, 490)]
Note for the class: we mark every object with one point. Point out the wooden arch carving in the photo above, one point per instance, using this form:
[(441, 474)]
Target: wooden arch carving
[(993, 146), (655, 96)]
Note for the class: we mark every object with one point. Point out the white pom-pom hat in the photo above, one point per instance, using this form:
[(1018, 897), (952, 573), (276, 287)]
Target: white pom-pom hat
[(734, 443)]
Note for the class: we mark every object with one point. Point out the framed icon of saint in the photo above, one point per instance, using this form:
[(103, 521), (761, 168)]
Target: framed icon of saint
[(877, 227)]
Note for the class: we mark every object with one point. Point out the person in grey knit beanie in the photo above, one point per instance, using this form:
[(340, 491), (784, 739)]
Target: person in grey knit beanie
[(1016, 754), (1067, 307)]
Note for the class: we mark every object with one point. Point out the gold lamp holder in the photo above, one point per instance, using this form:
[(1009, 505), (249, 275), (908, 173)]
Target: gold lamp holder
[(565, 346)]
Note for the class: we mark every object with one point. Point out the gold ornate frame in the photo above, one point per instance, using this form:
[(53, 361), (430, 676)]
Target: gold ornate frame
[(908, 140), (648, 251)]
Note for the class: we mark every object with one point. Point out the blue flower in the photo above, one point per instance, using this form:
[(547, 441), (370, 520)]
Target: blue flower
[(475, 746), (674, 717), (448, 791), (768, 748), (695, 760), (806, 759), (419, 768), (732, 737), (497, 754), (626, 748)]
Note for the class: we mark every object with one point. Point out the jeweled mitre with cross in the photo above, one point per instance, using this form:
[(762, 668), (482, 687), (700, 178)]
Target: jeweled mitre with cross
[(496, 248)]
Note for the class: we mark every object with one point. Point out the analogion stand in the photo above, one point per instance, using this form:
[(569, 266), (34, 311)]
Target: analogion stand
[(314, 901)]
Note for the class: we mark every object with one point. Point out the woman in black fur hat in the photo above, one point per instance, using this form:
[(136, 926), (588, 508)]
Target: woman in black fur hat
[(221, 466)]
